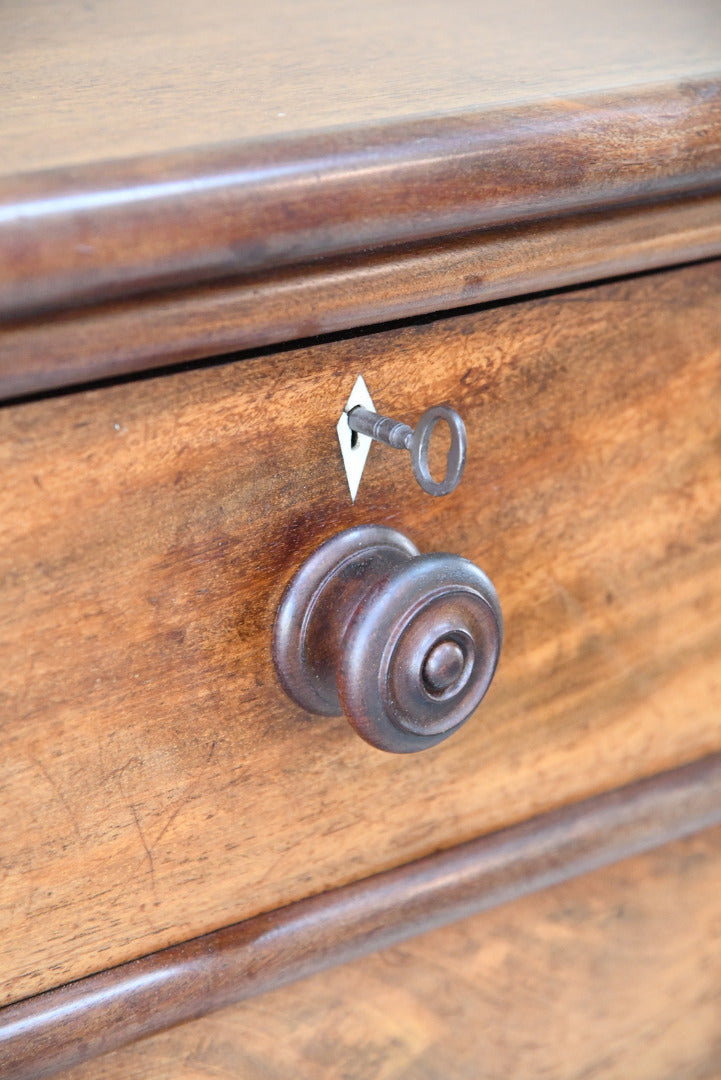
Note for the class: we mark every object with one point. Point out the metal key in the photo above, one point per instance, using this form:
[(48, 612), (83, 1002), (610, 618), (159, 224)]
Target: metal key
[(402, 437)]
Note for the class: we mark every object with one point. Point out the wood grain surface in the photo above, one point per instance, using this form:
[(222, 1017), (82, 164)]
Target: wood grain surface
[(107, 340), (614, 976), (110, 230), (100, 1013), (157, 783), (82, 81)]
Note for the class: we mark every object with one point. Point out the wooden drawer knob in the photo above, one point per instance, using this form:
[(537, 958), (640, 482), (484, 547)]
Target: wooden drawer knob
[(404, 644)]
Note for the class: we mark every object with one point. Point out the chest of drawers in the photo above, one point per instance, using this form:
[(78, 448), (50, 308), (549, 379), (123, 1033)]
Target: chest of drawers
[(209, 227)]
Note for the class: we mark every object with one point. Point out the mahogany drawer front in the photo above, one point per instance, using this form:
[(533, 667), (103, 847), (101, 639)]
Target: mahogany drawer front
[(158, 783), (616, 974)]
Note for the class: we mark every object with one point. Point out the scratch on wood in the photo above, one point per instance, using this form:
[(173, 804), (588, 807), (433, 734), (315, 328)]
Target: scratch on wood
[(148, 852)]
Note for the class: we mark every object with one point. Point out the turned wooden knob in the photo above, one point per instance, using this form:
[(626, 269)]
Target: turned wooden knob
[(404, 644)]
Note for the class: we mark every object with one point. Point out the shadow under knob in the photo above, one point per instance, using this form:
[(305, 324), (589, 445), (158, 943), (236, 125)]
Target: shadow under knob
[(404, 644)]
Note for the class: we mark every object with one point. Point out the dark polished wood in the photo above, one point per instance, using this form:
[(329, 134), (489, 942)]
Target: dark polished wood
[(181, 181), (365, 629), (115, 229), (177, 325), (97, 1014)]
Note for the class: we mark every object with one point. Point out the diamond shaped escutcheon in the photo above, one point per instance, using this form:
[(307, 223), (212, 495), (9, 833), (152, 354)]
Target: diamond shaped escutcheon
[(354, 446)]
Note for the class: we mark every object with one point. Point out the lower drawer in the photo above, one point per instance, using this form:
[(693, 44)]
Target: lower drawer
[(613, 975), (158, 783)]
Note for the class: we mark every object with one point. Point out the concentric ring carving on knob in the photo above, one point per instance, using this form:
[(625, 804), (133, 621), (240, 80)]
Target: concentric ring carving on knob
[(404, 644)]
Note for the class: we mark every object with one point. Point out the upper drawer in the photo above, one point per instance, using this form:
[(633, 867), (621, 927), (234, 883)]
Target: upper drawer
[(158, 783)]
